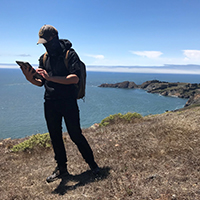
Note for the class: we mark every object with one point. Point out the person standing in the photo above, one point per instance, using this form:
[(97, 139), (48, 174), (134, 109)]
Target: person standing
[(60, 96)]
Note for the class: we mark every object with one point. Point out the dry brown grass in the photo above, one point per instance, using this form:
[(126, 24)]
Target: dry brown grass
[(156, 157)]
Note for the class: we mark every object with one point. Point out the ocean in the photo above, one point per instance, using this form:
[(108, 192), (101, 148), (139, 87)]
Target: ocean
[(21, 103)]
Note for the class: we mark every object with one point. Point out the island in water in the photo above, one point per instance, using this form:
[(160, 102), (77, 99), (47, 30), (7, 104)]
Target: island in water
[(190, 91)]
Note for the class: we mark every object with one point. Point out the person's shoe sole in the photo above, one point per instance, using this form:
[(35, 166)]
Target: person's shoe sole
[(53, 177)]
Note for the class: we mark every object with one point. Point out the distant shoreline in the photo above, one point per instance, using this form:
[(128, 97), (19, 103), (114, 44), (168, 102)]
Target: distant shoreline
[(176, 89)]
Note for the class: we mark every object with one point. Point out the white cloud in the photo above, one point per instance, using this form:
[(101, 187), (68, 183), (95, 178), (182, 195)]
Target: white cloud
[(169, 69), (24, 55), (191, 54), (95, 56), (148, 54)]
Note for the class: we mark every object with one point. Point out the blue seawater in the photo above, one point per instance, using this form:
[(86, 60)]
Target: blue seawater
[(21, 103)]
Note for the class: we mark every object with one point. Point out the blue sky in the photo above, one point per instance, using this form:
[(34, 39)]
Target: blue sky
[(150, 35)]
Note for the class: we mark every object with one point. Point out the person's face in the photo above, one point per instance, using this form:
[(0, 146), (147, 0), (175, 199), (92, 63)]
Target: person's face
[(53, 46), (50, 38)]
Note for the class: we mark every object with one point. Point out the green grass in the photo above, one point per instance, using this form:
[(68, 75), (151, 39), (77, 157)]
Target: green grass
[(38, 140)]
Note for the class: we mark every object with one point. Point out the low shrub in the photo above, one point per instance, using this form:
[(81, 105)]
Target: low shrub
[(38, 140), (126, 117)]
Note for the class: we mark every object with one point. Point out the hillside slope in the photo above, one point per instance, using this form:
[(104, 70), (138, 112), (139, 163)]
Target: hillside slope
[(155, 157)]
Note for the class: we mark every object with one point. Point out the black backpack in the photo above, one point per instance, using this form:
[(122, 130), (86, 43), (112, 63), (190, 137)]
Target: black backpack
[(82, 79)]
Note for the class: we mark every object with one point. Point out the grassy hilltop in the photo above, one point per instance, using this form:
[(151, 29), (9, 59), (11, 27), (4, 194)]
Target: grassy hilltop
[(154, 157)]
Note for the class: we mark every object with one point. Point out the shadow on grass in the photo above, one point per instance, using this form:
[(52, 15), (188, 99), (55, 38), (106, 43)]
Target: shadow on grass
[(80, 180)]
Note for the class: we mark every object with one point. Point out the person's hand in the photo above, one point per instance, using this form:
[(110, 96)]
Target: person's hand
[(43, 73), (28, 74)]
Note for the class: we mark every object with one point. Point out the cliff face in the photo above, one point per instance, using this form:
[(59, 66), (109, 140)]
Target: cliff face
[(193, 100), (181, 90)]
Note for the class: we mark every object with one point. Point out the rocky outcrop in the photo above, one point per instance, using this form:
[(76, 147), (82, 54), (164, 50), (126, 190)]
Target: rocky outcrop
[(125, 84), (194, 100), (181, 90)]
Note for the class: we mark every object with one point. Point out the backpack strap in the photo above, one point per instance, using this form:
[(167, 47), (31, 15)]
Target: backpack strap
[(44, 58), (66, 59)]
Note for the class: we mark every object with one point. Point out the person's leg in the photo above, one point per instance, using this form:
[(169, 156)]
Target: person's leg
[(72, 120), (54, 124)]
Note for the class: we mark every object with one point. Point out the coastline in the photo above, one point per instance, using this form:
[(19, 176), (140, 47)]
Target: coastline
[(173, 89), (18, 96)]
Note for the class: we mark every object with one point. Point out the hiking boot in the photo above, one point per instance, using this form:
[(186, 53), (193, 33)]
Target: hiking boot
[(57, 174), (96, 171)]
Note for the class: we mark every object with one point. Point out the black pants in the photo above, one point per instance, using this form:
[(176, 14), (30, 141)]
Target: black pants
[(68, 109)]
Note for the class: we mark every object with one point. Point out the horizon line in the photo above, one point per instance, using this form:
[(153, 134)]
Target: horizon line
[(165, 69)]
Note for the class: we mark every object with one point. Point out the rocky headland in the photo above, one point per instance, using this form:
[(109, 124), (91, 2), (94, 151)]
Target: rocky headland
[(190, 91)]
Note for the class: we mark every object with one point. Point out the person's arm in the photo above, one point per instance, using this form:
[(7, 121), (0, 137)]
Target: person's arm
[(29, 76), (70, 79)]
